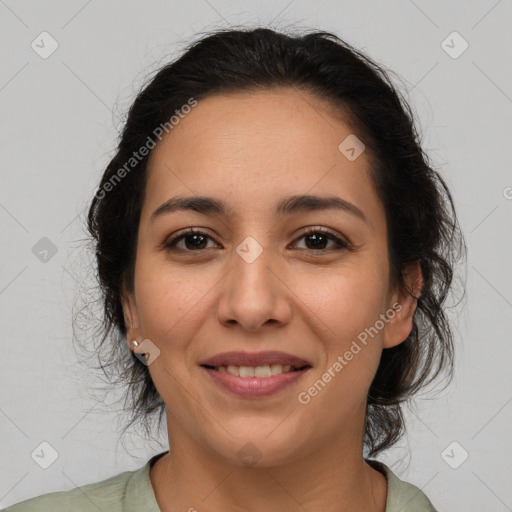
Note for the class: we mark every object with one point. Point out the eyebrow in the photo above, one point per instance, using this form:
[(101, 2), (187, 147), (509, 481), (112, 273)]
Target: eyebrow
[(286, 206)]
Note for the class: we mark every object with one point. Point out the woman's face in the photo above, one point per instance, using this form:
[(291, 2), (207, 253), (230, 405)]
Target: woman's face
[(254, 281)]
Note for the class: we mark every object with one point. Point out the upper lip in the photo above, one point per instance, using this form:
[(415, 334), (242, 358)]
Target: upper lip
[(254, 359)]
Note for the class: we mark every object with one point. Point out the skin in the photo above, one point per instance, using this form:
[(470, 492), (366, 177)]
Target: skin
[(250, 150)]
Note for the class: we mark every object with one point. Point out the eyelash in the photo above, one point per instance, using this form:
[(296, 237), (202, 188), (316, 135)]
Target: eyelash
[(340, 244)]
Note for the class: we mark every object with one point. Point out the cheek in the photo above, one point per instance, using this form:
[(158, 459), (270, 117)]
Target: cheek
[(343, 309), (344, 302), (168, 301)]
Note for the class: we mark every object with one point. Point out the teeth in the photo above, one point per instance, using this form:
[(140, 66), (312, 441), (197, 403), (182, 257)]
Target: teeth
[(256, 371)]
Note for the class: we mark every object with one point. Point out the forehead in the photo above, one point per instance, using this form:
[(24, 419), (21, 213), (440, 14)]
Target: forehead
[(258, 147), (266, 125)]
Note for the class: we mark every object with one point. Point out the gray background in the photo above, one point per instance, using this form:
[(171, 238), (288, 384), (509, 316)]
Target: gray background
[(59, 119)]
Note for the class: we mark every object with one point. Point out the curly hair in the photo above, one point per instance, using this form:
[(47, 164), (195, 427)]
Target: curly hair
[(420, 214)]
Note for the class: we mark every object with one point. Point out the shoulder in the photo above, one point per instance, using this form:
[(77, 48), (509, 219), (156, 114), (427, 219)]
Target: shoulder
[(109, 494), (403, 496)]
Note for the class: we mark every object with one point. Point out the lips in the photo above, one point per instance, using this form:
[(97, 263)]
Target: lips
[(255, 359), (254, 387)]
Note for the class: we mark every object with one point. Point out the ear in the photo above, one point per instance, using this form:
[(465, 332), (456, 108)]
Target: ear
[(131, 317), (403, 303)]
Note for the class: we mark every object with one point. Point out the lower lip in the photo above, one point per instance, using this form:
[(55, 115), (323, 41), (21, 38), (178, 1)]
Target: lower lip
[(249, 387)]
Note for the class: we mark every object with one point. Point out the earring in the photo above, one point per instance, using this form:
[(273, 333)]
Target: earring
[(134, 343)]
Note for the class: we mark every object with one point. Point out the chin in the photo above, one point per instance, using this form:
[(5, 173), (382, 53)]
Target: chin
[(258, 450)]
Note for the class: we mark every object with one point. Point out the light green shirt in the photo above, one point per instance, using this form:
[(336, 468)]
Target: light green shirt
[(131, 491)]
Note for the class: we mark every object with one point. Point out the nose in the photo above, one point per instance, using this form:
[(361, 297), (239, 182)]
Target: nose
[(253, 294)]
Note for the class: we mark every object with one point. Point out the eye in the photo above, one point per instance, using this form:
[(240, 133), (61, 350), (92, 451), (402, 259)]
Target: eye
[(318, 237), (197, 238), (196, 241)]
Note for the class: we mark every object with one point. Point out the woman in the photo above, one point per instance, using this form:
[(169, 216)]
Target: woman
[(275, 250)]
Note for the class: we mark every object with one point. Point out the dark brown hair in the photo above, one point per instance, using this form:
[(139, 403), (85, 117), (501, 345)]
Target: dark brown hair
[(420, 214)]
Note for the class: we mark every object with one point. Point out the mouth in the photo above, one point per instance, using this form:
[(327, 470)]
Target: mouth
[(249, 382), (264, 362), (255, 374)]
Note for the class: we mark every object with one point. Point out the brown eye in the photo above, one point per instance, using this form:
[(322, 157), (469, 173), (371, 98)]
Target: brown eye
[(193, 240), (316, 240)]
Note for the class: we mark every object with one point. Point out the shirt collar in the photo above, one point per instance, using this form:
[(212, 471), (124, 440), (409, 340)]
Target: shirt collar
[(140, 496)]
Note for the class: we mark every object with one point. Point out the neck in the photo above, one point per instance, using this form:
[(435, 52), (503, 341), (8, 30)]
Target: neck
[(335, 478)]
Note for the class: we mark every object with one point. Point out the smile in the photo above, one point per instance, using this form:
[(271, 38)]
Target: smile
[(262, 371), (246, 382)]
